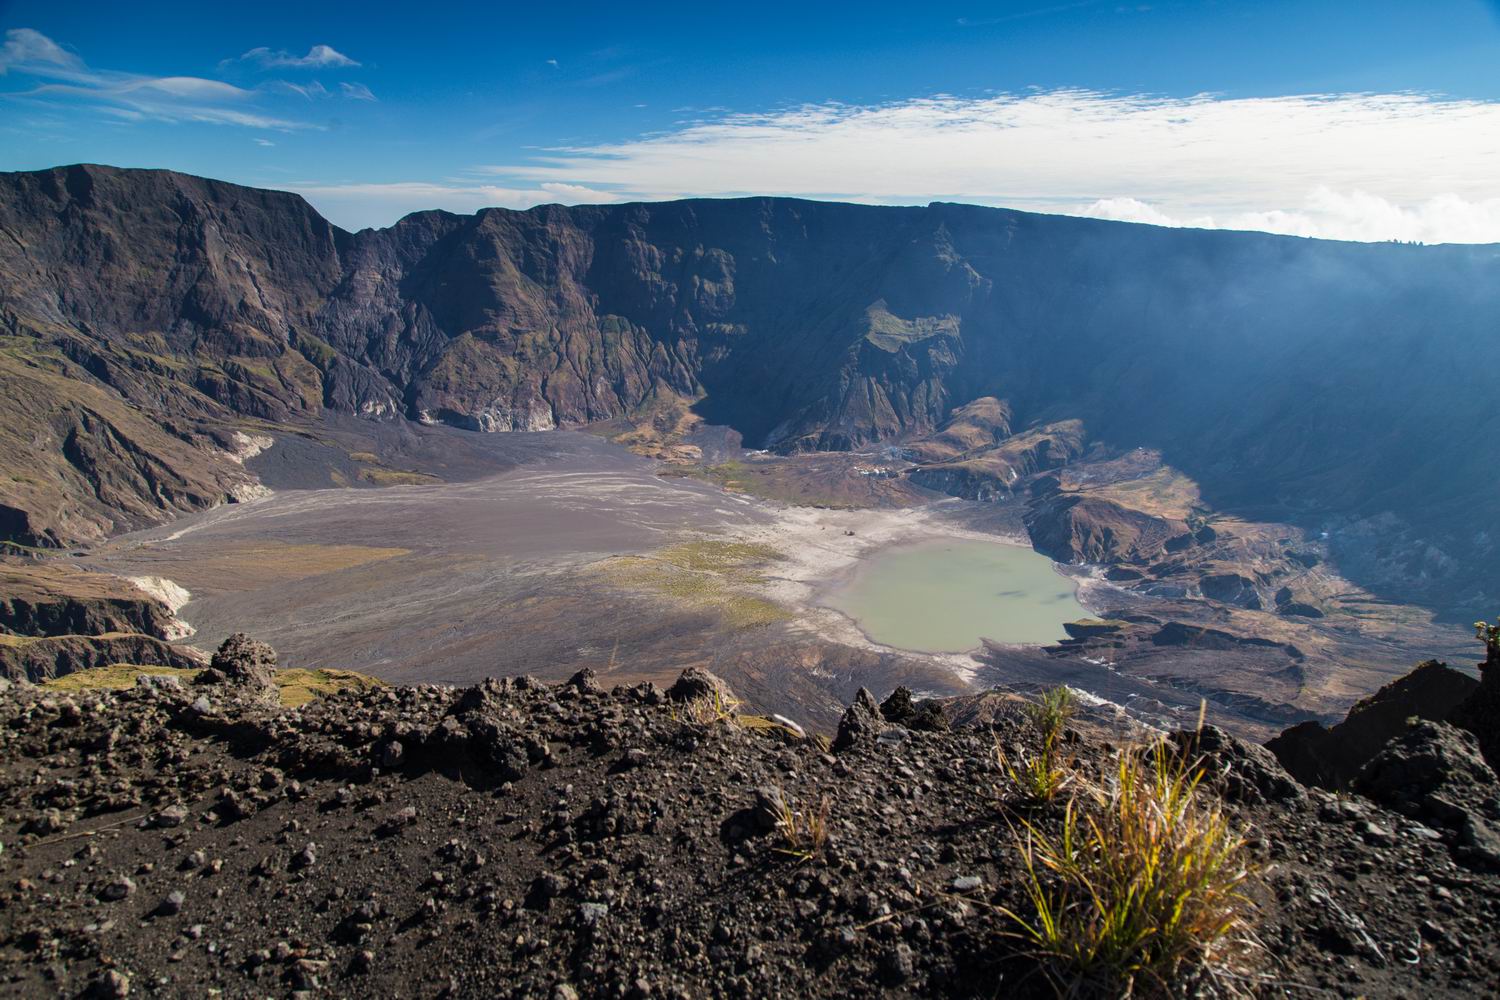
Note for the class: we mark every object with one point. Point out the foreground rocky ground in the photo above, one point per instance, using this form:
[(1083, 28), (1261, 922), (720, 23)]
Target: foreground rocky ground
[(521, 839)]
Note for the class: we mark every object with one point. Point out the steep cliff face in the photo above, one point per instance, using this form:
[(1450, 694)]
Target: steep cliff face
[(145, 313)]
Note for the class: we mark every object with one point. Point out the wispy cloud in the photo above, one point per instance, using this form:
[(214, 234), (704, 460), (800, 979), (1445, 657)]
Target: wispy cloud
[(1354, 166), (33, 52), (1022, 15), (357, 91), (128, 96), (318, 57)]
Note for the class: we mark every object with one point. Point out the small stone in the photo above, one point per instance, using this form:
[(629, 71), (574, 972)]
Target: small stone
[(392, 754), (769, 809), (112, 984), (201, 705), (636, 757), (158, 683), (900, 963), (592, 914), (564, 992), (305, 858), (401, 819), (172, 905), (967, 883), (171, 817), (117, 889)]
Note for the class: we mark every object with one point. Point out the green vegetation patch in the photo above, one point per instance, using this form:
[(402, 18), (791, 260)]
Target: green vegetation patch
[(115, 677), (769, 482), (889, 332), (397, 477), (708, 573), (296, 685)]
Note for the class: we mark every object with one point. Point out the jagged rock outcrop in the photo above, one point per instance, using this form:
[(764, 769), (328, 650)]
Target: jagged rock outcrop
[(246, 666), (1332, 757), (695, 684), (1434, 772), (1479, 713), (1243, 772), (862, 723), (147, 314), (901, 709)]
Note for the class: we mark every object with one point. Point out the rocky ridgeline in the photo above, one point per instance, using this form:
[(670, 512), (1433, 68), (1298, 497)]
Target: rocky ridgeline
[(560, 841)]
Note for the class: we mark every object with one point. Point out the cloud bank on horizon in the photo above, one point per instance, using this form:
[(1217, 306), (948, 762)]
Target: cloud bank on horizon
[(1340, 166)]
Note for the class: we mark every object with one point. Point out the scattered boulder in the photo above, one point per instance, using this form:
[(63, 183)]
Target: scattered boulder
[(243, 663), (1434, 773), (695, 683), (862, 722), (898, 707), (901, 709), (1241, 771)]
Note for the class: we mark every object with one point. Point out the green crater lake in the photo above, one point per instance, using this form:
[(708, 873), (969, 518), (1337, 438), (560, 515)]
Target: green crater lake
[(943, 597)]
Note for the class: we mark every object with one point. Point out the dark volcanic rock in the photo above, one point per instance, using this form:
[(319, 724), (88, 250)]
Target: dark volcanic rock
[(1479, 713), (696, 683), (1316, 755), (862, 722), (1434, 772), (289, 862), (900, 709), (1242, 771), (244, 663)]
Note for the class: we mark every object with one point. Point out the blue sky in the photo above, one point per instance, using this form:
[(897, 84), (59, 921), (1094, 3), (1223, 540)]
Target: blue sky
[(1364, 120)]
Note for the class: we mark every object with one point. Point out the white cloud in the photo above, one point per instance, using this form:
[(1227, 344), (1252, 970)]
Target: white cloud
[(35, 53), (1367, 166), (1351, 215), (357, 91), (128, 97), (310, 90), (318, 57)]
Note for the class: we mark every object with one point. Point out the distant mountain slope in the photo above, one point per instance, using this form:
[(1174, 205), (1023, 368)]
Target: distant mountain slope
[(1339, 385)]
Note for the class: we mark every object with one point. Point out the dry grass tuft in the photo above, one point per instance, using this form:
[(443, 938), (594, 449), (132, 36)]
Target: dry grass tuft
[(708, 710), (1141, 891), (804, 832)]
